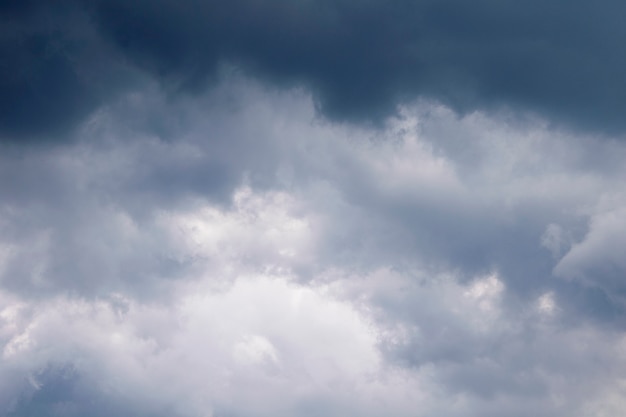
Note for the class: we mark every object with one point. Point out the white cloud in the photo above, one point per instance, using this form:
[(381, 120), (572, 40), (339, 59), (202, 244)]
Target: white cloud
[(253, 260)]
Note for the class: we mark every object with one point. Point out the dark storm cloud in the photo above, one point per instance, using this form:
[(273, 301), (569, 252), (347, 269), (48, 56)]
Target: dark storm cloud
[(54, 69), (360, 58), (564, 60)]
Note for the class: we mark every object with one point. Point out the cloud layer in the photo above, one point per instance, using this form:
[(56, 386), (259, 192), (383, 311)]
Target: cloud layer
[(252, 259), (338, 208), (360, 59)]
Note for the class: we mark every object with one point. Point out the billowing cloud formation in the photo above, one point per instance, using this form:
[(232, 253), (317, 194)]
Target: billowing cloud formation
[(561, 59), (188, 227), (265, 347), (232, 254)]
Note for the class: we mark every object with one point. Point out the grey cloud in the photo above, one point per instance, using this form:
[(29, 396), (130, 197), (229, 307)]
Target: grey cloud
[(91, 217), (482, 214), (55, 70), (597, 260), (251, 258), (561, 60), (406, 198), (557, 58), (61, 390), (204, 243)]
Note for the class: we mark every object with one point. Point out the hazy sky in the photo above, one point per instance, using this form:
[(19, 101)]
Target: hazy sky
[(304, 208)]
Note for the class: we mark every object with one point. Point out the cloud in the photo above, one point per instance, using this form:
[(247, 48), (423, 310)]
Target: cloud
[(432, 189), (55, 71), (597, 259), (91, 213), (234, 254), (235, 350), (338, 208), (266, 346), (359, 59)]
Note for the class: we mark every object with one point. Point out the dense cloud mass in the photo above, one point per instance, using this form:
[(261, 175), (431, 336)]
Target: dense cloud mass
[(408, 208), (361, 59)]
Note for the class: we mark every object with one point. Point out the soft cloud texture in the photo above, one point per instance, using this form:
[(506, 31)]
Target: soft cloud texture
[(333, 207), (360, 59), (233, 254)]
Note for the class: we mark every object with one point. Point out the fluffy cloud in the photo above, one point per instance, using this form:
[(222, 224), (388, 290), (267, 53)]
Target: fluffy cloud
[(265, 346), (184, 256)]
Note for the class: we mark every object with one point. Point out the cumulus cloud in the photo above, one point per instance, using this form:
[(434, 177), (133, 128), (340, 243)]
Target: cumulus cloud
[(229, 252), (266, 346), (241, 350)]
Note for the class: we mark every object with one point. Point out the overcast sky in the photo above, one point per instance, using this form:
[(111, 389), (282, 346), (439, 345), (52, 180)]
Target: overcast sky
[(304, 208)]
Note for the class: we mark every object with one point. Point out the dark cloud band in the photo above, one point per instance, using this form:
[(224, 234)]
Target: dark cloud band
[(563, 60)]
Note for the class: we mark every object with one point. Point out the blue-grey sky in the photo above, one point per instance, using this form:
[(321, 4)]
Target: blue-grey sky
[(305, 208)]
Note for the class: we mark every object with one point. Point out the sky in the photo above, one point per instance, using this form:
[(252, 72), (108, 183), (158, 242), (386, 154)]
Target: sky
[(299, 208)]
